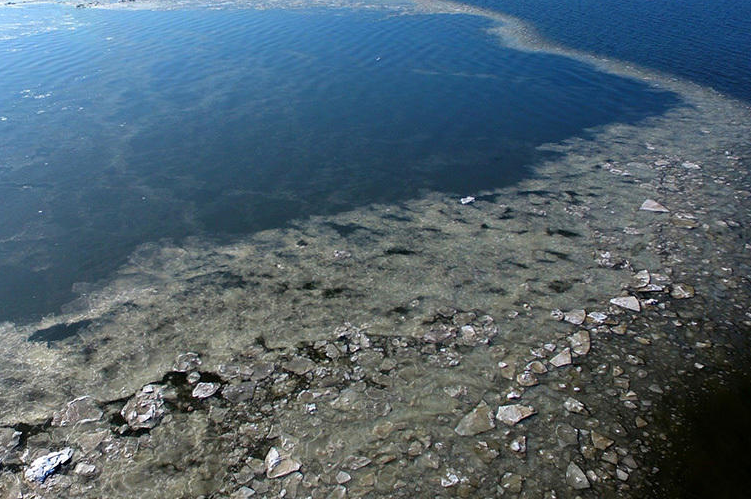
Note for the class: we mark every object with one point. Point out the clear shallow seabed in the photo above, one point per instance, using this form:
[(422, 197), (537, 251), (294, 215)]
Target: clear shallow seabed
[(341, 141)]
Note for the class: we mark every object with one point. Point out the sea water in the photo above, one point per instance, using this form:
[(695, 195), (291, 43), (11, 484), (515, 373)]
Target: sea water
[(287, 195), (125, 127)]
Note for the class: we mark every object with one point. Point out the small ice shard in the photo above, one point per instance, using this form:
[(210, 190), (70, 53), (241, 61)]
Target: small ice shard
[(278, 465), (81, 410), (575, 316), (652, 205), (527, 379), (562, 359), (299, 365), (205, 390), (44, 466), (9, 440), (580, 342), (575, 477), (512, 414), (627, 302), (641, 279), (467, 200), (682, 291), (145, 408), (187, 362), (597, 317), (573, 405), (519, 445), (479, 420), (343, 477), (449, 480), (600, 441)]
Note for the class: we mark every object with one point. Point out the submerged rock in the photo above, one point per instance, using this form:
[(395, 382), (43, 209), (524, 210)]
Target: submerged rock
[(243, 492), (146, 408), (513, 413), (81, 410), (480, 419), (44, 466)]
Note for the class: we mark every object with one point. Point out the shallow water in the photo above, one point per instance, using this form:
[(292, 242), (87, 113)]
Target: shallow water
[(409, 308), (125, 127)]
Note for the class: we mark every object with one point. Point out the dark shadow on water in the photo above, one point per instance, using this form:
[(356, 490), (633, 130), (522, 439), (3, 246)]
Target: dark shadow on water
[(710, 454), (264, 118), (59, 331)]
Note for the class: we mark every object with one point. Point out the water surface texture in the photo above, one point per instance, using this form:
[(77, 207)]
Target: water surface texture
[(123, 127), (280, 292), (707, 42)]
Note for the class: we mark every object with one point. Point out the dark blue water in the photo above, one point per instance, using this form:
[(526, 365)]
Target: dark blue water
[(118, 128), (708, 42)]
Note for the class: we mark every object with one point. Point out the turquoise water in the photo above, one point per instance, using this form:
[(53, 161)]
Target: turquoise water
[(124, 127)]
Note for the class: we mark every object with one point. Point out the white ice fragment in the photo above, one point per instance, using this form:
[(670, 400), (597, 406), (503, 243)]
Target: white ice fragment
[(627, 302), (44, 466), (652, 205)]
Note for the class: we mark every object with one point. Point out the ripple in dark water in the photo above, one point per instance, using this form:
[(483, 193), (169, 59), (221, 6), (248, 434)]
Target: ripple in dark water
[(706, 42), (127, 127)]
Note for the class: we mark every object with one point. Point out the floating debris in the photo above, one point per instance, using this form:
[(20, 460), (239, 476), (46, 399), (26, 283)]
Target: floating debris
[(467, 200)]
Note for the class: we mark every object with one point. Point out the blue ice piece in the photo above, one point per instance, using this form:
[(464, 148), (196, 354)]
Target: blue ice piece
[(44, 466)]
